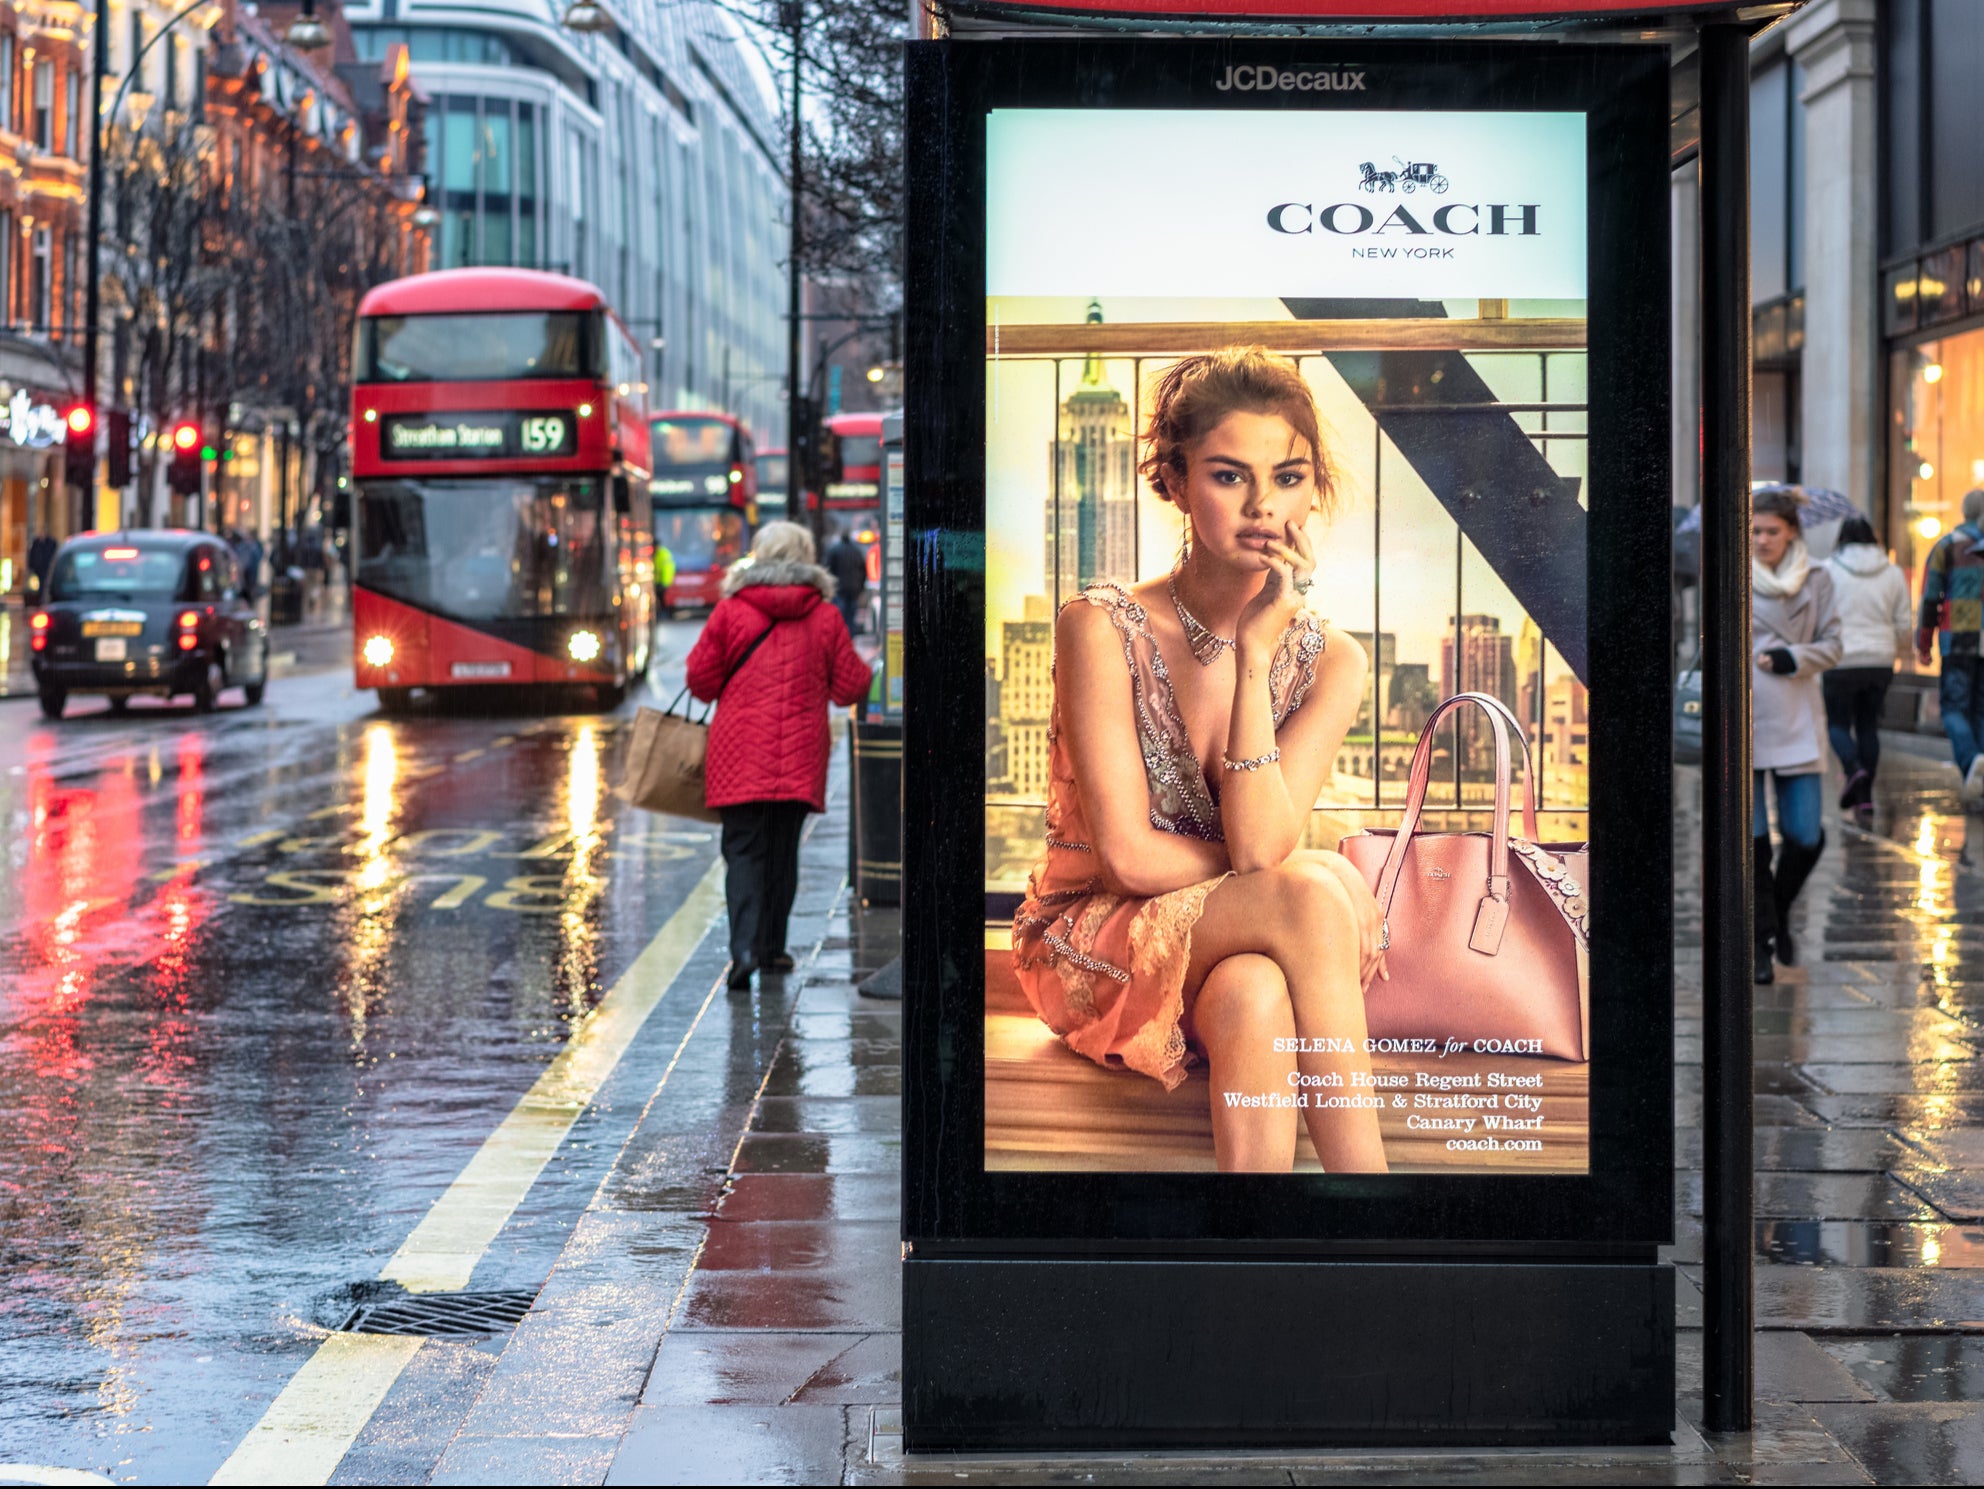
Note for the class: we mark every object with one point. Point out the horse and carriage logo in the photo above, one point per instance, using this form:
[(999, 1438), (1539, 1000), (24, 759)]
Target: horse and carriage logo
[(1409, 177)]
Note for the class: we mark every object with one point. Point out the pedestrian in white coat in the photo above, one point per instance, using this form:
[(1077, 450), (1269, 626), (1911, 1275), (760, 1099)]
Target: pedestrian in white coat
[(1794, 638), (1877, 624)]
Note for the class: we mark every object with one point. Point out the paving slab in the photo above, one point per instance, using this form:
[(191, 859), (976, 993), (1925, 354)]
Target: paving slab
[(1915, 1443), (732, 1445)]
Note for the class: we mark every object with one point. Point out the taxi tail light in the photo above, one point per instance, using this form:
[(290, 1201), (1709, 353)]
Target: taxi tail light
[(38, 630), (187, 641), (188, 619)]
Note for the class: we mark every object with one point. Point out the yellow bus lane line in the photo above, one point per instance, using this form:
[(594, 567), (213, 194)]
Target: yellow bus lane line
[(312, 1423)]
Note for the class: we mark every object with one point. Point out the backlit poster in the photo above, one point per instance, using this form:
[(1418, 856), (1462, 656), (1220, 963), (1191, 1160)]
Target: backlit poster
[(1285, 646)]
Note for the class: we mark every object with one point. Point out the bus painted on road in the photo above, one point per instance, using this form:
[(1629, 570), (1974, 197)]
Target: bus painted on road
[(499, 443), (705, 491)]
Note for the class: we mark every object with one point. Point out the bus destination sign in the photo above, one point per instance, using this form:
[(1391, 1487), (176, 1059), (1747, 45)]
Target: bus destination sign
[(495, 434)]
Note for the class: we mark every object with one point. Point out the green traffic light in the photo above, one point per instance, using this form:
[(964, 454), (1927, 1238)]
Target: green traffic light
[(208, 452)]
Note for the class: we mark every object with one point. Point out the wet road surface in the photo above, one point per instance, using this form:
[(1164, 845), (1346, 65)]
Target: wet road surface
[(268, 979)]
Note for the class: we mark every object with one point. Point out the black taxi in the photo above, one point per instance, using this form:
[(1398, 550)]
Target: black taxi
[(158, 612)]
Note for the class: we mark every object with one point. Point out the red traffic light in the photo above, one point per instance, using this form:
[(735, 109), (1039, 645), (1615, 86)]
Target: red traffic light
[(81, 419), (186, 437)]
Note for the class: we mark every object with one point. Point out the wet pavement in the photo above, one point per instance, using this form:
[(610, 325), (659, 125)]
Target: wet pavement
[(778, 1365), (268, 978), (272, 986)]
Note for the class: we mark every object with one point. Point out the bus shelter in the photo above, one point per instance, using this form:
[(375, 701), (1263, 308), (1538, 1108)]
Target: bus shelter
[(1449, 225)]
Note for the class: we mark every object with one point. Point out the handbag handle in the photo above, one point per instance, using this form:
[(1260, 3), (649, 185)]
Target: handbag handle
[(1492, 917)]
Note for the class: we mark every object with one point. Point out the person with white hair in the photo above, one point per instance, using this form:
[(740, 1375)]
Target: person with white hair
[(776, 654), (1953, 615)]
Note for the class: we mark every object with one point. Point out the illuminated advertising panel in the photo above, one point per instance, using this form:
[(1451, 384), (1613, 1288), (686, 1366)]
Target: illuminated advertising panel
[(1299, 427), (1289, 764)]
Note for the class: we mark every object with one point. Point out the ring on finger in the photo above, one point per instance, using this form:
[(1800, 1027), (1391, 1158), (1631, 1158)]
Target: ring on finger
[(1303, 582)]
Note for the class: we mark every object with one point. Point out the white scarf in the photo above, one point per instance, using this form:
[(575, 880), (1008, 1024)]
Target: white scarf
[(1783, 582)]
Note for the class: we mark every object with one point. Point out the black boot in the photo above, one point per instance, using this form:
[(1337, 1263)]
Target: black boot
[(1795, 863), (1763, 901)]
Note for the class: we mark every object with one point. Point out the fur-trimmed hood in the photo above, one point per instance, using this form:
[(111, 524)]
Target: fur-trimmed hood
[(748, 573)]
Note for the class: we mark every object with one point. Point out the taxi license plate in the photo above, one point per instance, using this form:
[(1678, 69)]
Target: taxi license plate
[(479, 669), (112, 627), (110, 649)]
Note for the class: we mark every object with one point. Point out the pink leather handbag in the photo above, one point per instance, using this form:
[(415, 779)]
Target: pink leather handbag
[(1486, 933)]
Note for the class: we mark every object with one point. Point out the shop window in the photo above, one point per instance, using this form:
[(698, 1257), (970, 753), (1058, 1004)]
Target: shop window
[(1936, 440), (1939, 287), (1898, 288)]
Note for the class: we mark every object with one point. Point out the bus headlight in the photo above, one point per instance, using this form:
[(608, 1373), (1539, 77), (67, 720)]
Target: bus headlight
[(378, 651), (584, 646)]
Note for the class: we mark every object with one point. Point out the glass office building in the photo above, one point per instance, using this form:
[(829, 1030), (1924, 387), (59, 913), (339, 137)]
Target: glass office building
[(645, 160)]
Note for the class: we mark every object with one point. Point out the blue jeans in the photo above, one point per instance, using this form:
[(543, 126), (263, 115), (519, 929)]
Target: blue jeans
[(1962, 692), (1798, 807)]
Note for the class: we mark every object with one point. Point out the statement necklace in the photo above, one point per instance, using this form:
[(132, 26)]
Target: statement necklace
[(1207, 646)]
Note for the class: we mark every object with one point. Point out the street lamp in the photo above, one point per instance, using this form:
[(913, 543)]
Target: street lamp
[(93, 278), (306, 33), (587, 17)]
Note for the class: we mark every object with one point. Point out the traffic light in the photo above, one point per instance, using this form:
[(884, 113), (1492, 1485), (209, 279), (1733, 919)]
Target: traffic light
[(182, 474), (79, 449), (801, 465), (117, 448)]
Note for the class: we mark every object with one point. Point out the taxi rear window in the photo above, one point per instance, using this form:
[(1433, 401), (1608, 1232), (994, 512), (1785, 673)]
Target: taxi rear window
[(129, 573)]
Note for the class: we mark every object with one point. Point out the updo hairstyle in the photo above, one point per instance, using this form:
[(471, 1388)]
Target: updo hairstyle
[(1195, 393)]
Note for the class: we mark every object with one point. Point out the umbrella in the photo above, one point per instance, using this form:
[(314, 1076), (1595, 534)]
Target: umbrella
[(1822, 505)]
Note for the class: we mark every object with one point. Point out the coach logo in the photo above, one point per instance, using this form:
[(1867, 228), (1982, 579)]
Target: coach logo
[(1409, 177), (1438, 873)]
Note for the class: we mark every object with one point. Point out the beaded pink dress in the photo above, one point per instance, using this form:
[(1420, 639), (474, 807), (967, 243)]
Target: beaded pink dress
[(1106, 971)]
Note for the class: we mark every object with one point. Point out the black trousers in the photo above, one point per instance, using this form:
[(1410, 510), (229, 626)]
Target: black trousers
[(1854, 699), (761, 875)]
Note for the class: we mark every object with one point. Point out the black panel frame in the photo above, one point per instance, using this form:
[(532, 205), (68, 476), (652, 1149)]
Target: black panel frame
[(951, 1205)]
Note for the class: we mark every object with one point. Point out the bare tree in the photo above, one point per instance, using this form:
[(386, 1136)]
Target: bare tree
[(163, 281)]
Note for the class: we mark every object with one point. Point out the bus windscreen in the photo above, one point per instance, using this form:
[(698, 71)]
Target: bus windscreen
[(505, 547), (709, 538), (477, 348), (692, 458)]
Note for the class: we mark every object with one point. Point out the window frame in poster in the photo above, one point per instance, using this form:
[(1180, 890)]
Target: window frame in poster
[(1625, 1202)]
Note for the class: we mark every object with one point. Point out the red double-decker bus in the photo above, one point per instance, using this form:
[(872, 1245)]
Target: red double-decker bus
[(852, 481), (705, 490), (499, 441)]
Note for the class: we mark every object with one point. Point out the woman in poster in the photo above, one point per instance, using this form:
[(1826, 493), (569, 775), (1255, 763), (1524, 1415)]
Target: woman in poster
[(1196, 718)]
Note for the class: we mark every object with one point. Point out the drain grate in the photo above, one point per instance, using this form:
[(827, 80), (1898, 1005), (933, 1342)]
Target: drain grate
[(441, 1315)]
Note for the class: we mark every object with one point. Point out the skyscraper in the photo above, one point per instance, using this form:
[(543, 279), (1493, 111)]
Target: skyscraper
[(1092, 518), (1483, 662)]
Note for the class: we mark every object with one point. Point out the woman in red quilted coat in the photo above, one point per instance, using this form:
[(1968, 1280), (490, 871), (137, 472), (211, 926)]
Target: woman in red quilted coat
[(776, 653)]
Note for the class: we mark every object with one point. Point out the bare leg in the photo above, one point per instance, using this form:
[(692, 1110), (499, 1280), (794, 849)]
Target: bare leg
[(1242, 1008), (1299, 916)]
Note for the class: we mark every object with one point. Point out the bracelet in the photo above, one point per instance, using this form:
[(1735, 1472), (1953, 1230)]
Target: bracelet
[(1229, 763)]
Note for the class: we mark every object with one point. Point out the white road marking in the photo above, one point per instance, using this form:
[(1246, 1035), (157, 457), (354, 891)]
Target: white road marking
[(312, 1424)]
